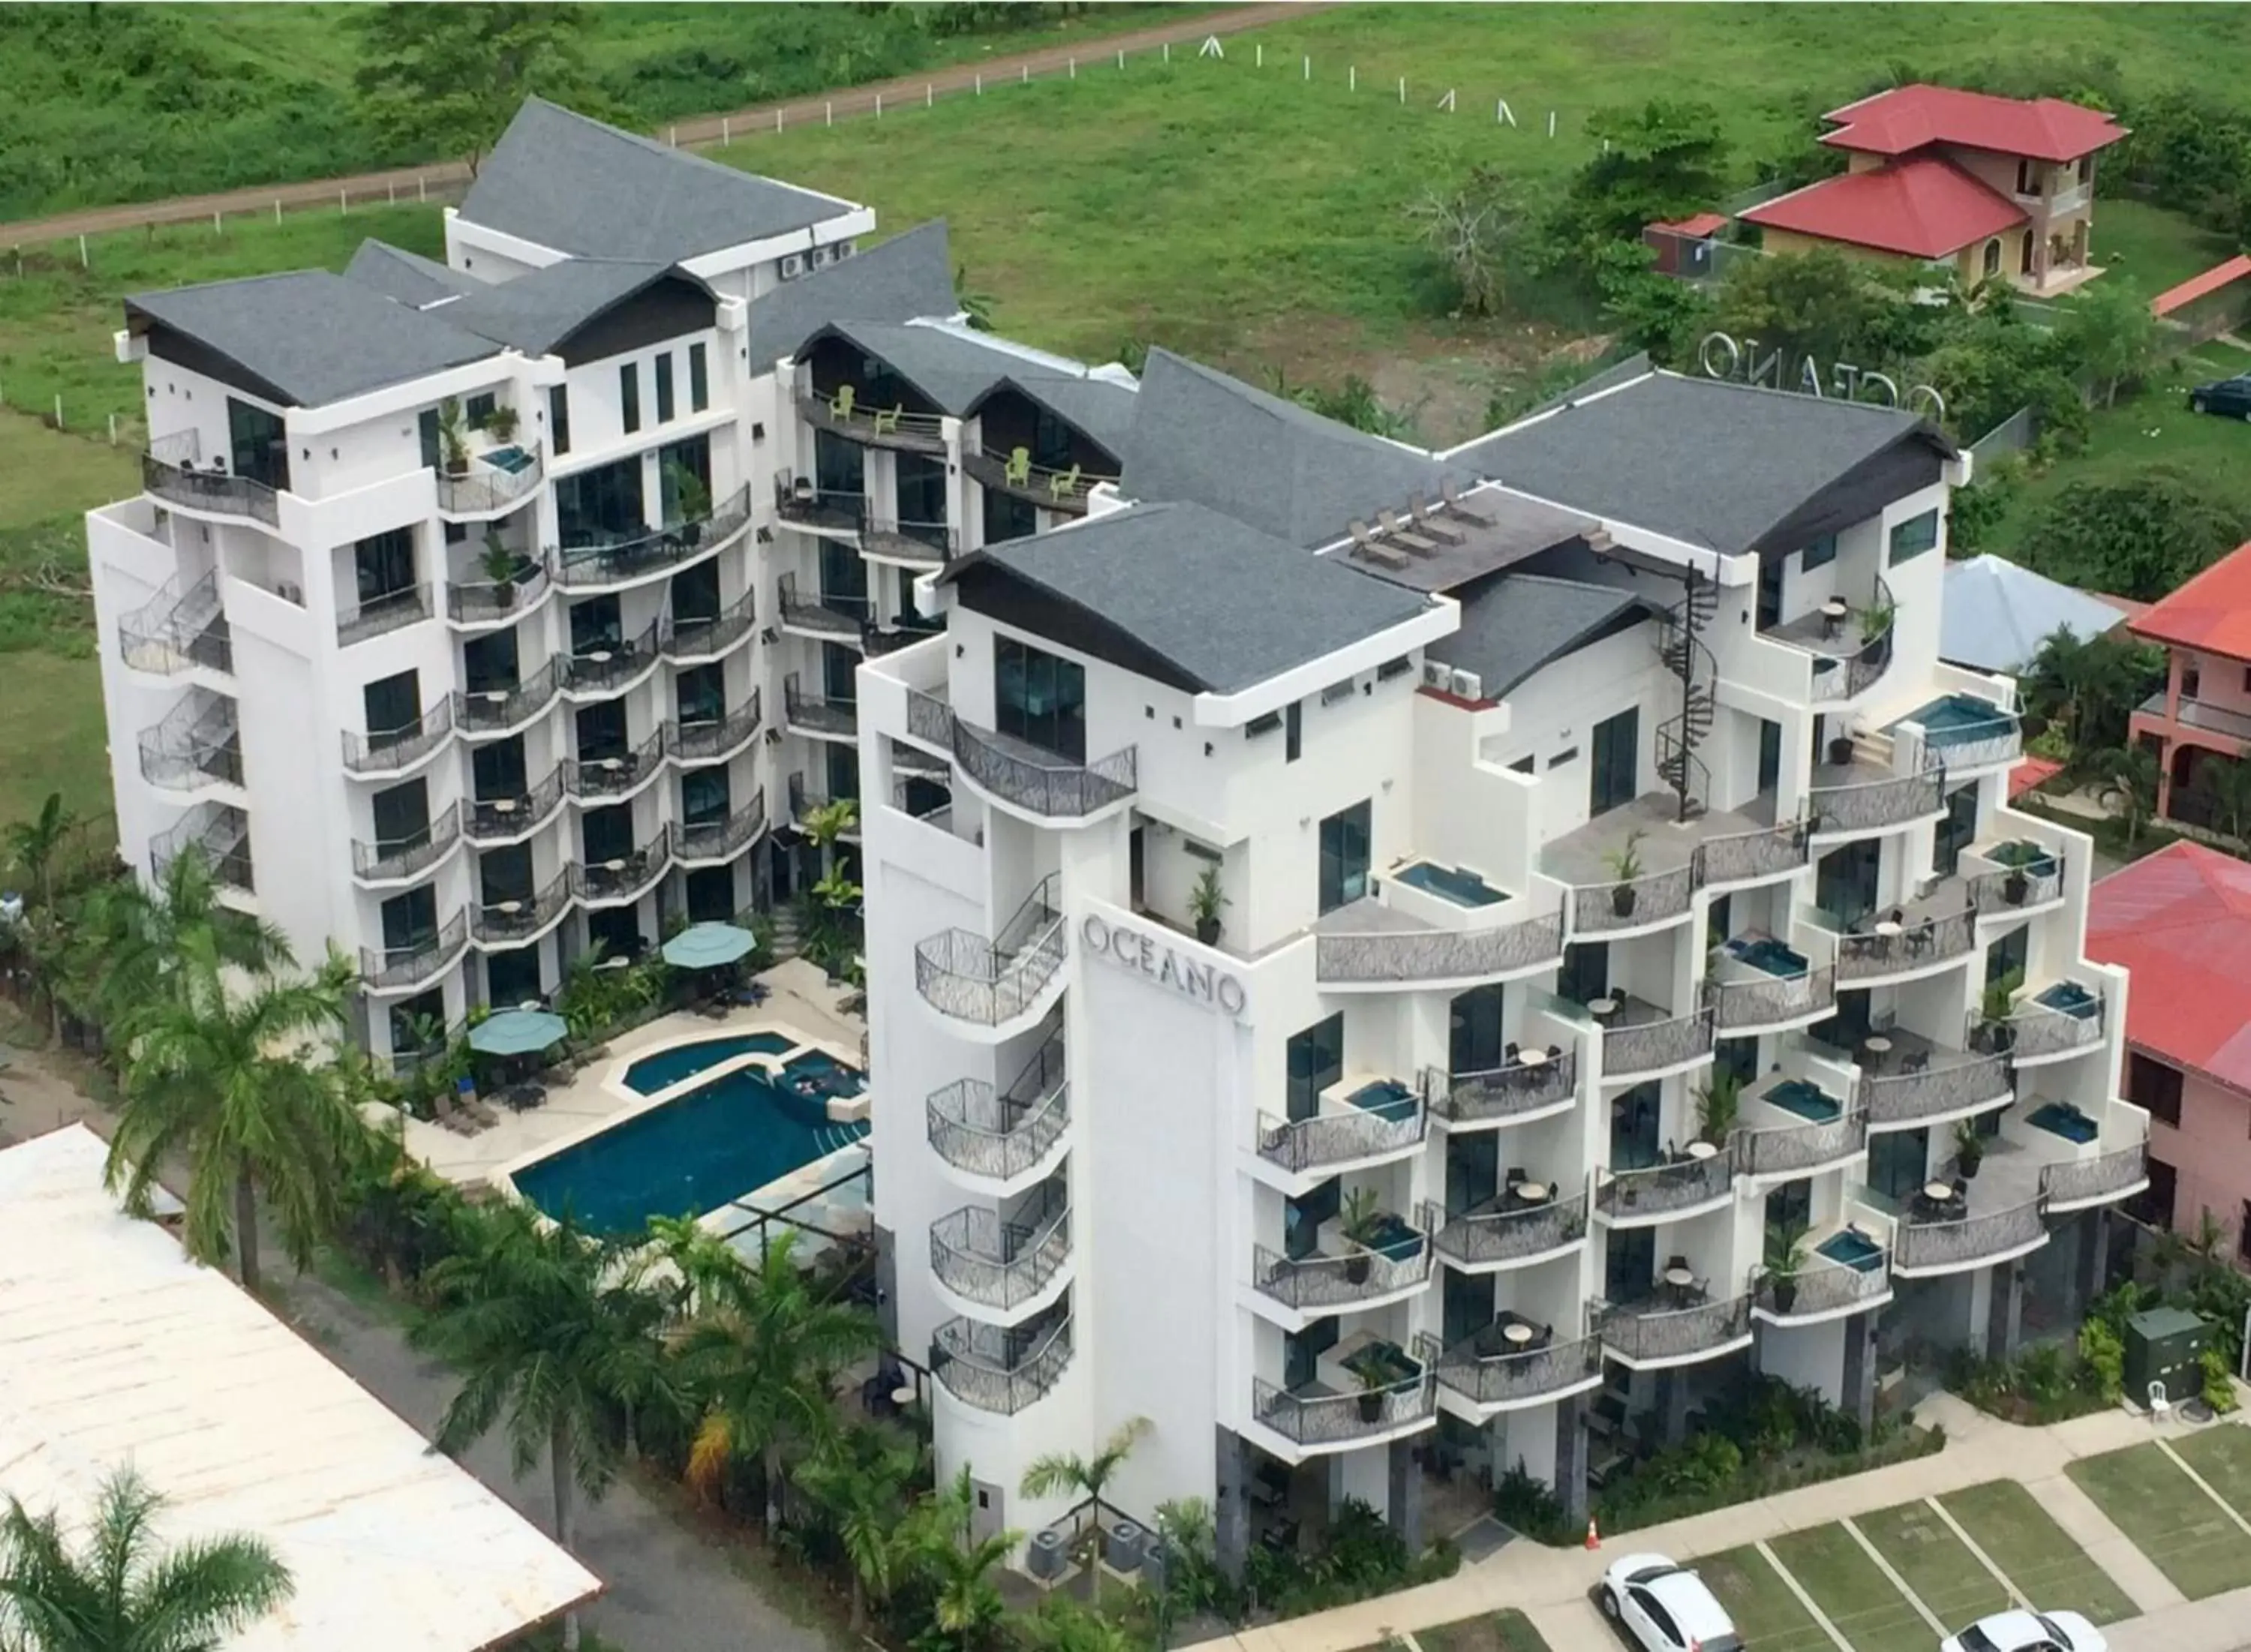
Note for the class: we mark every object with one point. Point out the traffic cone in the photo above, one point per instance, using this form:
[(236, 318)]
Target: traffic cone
[(1594, 1538)]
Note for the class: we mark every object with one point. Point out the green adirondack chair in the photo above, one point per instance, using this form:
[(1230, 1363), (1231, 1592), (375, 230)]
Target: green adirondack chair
[(1019, 474)]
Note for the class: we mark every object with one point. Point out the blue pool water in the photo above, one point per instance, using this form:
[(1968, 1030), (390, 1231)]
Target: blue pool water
[(1450, 882), (1386, 1097), (511, 460), (667, 1068), (1852, 1250), (2071, 998), (1396, 1241), (1809, 1101), (2067, 1122), (818, 1073), (1960, 717), (1770, 954), (689, 1156)]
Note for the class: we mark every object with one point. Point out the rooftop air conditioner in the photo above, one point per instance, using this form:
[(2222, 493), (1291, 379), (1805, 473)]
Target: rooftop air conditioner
[(1437, 674), (821, 255), (845, 249), (1468, 685), (1121, 1546), (1045, 1557), (792, 265)]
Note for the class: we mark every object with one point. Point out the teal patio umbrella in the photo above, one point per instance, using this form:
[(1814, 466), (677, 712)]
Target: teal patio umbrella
[(706, 946), (516, 1033)]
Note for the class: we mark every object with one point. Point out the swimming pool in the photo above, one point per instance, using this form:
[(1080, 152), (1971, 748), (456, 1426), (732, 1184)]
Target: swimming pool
[(667, 1068), (2069, 997), (1769, 955), (1386, 1098), (2061, 1118), (511, 460), (1809, 1101), (1454, 883), (1854, 1250), (1960, 718), (686, 1155)]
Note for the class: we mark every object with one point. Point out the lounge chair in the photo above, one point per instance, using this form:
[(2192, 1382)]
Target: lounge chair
[(840, 406), (1019, 474), (887, 423), (1399, 534), (1460, 507), (1063, 484), (1376, 552), (1427, 523)]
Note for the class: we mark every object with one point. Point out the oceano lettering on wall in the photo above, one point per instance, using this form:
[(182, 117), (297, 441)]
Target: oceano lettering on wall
[(1721, 356), (1146, 955)]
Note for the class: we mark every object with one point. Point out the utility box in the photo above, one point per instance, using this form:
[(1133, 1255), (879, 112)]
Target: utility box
[(2166, 1345)]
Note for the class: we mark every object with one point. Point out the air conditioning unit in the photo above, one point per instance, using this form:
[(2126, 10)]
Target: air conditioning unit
[(1154, 1562), (1468, 685), (821, 255), (1121, 1546), (1046, 1555), (1437, 674), (845, 249), (792, 265)]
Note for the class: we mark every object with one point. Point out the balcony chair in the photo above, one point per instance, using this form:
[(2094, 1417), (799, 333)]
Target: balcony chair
[(887, 424), (1400, 534), (1063, 484), (1381, 555), (1516, 1174), (1019, 472), (1508, 1052), (1459, 506), (840, 406), (1918, 1062)]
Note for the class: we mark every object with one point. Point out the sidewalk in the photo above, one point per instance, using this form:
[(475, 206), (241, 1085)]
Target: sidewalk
[(1552, 1585)]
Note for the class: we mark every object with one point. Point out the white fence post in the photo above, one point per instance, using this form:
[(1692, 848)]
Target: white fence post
[(726, 133), (929, 95), (980, 86), (84, 262), (776, 119), (1352, 78), (1309, 67), (59, 410), (1447, 102), (343, 200), (277, 209), (216, 230), (1402, 88), (829, 112), (1169, 52), (113, 430), (1027, 76), (1261, 63), (1551, 123), (421, 187), (673, 136), (1074, 68), (879, 106), (394, 192), (1121, 57)]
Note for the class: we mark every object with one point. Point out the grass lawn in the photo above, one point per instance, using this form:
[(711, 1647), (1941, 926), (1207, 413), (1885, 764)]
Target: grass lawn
[(2223, 1457), (2187, 1536), (1509, 1631), (1936, 1564), (1767, 1615), (2149, 249), (1851, 1591), (2039, 1556)]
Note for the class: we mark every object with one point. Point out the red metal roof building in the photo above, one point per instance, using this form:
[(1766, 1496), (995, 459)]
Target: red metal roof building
[(1923, 207), (2203, 716), (1914, 117)]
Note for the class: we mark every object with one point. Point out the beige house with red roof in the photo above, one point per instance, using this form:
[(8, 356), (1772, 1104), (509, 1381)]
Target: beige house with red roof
[(1992, 187), (2203, 716)]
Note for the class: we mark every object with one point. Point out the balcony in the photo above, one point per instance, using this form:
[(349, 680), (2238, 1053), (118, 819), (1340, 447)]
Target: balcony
[(1964, 732), (1363, 1388), (1531, 1083), (1641, 1037), (716, 842), (1511, 1227), (198, 744), (839, 410), (1671, 1329), (220, 832), (1354, 1124), (2027, 876), (514, 920), (213, 492), (826, 617), (488, 487), (1927, 1242), (394, 750), (1937, 929), (1789, 1127), (997, 1369), (415, 961), (997, 1264), (1515, 1361), (377, 616), (1001, 1135), (1344, 1274), (615, 774), (1369, 943), (621, 877), (1029, 777), (497, 710), (2061, 1020), (1014, 473), (1851, 647), (991, 982), (1745, 996), (910, 544), (2200, 715), (817, 716), (1824, 1287), (388, 862), (608, 666), (2073, 1184), (177, 631), (1699, 1178), (1677, 858), (486, 602), (1911, 1081), (504, 819), (688, 638), (804, 801), (601, 560), (1739, 857), (715, 740), (1856, 797)]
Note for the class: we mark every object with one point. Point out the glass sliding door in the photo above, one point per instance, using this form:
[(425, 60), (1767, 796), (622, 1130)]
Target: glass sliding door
[(1039, 699), (1616, 768), (1344, 852)]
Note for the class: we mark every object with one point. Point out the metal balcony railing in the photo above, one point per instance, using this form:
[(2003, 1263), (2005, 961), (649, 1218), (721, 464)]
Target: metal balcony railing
[(174, 630), (2108, 1176), (1594, 907), (1869, 805), (2035, 1030), (589, 560), (1653, 1330), (817, 713), (1999, 738), (197, 743), (1502, 1092), (1994, 894), (798, 504), (1919, 1245), (1822, 1287), (376, 616), (487, 488), (707, 841), (1339, 1138), (998, 1370), (513, 919), (1855, 673), (492, 711), (1470, 1238), (971, 978), (213, 491), (1338, 1281), (705, 636), (500, 819), (612, 774), (1048, 785), (834, 615), (1907, 1098), (1002, 1133), (1438, 954), (1063, 490), (395, 749), (1860, 957), (220, 832), (1787, 1148), (622, 877), (480, 602), (1002, 1264), (386, 859), (721, 737), (416, 960), (1327, 1419), (1645, 1046), (878, 427), (601, 667), (924, 545), (1505, 1379), (1768, 1000), (1751, 854), (1660, 1189)]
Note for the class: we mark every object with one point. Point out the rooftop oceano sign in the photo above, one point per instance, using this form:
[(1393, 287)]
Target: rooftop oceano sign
[(1161, 962), (1721, 356)]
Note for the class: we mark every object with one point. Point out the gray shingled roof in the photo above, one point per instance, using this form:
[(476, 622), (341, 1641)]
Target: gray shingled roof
[(1517, 623), (1713, 464), (310, 337), (583, 188), (408, 277), (538, 310), (1227, 605), (908, 276), (957, 369), (1199, 435)]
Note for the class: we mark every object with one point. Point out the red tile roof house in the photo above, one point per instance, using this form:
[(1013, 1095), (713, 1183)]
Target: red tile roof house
[(1990, 186), (2204, 715), (2180, 922)]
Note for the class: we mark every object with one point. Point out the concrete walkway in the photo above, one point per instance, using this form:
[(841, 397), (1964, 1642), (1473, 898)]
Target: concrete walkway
[(1552, 1585)]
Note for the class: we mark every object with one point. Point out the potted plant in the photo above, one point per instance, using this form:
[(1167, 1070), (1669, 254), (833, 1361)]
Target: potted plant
[(1362, 1221), (453, 436), (1840, 751), (499, 563), (1969, 1148), (691, 500), (1206, 900), (1875, 621), (2016, 885), (1785, 1260), (1718, 1105), (500, 423), (1374, 1380), (1625, 863)]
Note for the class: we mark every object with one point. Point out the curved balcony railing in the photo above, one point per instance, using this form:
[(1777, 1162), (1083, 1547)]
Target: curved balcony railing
[(1301, 1144), (213, 491), (971, 978), (1502, 1093), (707, 841), (1660, 896), (494, 710), (1824, 1286), (1438, 954), (721, 737), (1932, 941), (1789, 1148), (1739, 855), (1320, 1420), (487, 488), (1870, 805), (702, 636), (502, 819), (418, 960), (1647, 1330), (1767, 1000), (395, 749), (1969, 1240), (834, 616), (403, 857), (614, 774), (1002, 1133), (1473, 1237), (1000, 1264), (998, 1370), (602, 667), (798, 504), (1052, 787), (176, 630), (1660, 1189), (221, 833), (477, 602), (2108, 1176), (1504, 1379), (1063, 490), (1907, 1098), (1854, 674), (878, 427), (2035, 1030), (2033, 885), (198, 742), (1645, 1046), (923, 544), (1315, 1282), (377, 616), (818, 714), (512, 920), (600, 560), (623, 877)]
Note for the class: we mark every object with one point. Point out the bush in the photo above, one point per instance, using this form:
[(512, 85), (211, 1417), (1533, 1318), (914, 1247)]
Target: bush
[(2141, 536), (1363, 1558), (1531, 1506), (2102, 1354), (2219, 1392)]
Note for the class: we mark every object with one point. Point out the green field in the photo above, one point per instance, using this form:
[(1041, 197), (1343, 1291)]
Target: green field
[(2037, 1555), (2223, 1457), (1767, 1615), (1934, 1563), (1851, 1591), (2187, 1536), (1508, 1631)]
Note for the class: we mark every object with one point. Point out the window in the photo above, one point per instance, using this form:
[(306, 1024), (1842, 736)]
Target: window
[(558, 419), (921, 492), (601, 730), (513, 977), (427, 427), (606, 834), (599, 507), (2191, 680), (1819, 554), (1914, 536), (699, 380), (1344, 857), (497, 769), (2151, 1084), (1993, 259), (1006, 516), (597, 623), (1293, 733), (712, 895), (2028, 177), (2086, 169), (477, 410), (700, 694), (410, 923), (491, 663), (1659, 1617), (683, 480), (393, 705), (1266, 725), (704, 797), (260, 445), (629, 396), (1473, 1041), (664, 387), (1039, 698), (402, 817), (1316, 1060), (383, 565)]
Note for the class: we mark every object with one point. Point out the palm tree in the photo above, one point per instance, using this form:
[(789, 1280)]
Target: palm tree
[(700, 1259), (33, 845), (1060, 1472), (824, 825), (2225, 786), (133, 943), (121, 1594), (223, 1082), (2128, 775), (528, 1311), (763, 1355), (863, 1485), (967, 1602)]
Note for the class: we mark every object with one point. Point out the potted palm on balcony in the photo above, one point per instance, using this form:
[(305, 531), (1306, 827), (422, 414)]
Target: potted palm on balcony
[(1969, 1148), (1625, 863), (1373, 1381), (453, 436), (1362, 1221), (1785, 1261), (1206, 900), (499, 563), (1719, 1104)]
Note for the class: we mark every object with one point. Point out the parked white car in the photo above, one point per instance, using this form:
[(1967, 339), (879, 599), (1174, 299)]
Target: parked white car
[(1664, 1606), (2028, 1632)]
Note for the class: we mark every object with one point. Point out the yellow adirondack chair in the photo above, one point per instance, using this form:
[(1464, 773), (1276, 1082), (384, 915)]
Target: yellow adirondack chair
[(1063, 484), (841, 405), (1020, 468), (887, 423)]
